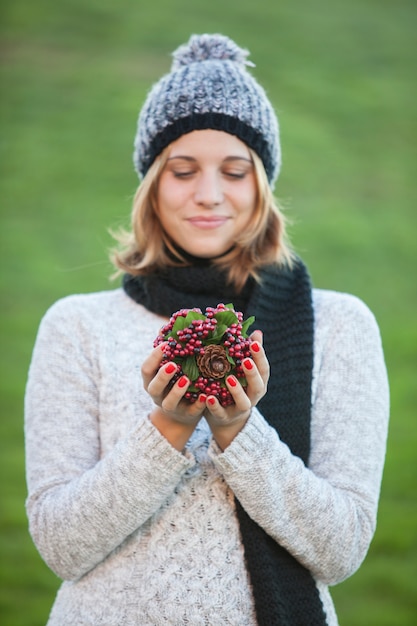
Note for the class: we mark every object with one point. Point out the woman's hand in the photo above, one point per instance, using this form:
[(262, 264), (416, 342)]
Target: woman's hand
[(227, 422), (174, 417)]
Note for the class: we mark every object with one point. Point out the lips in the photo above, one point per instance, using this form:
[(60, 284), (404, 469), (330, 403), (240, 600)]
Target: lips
[(207, 223)]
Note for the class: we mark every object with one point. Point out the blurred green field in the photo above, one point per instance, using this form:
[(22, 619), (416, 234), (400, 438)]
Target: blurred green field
[(342, 78)]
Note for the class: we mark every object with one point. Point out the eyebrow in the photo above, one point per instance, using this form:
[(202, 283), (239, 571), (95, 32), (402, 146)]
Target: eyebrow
[(226, 160)]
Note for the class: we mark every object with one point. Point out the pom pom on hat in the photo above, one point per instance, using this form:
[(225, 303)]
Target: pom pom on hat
[(208, 87), (209, 48)]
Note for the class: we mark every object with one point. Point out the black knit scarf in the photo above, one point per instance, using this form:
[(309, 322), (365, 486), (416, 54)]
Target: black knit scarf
[(285, 593)]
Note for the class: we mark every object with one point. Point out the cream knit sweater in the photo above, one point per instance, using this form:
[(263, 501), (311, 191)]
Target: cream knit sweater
[(144, 535)]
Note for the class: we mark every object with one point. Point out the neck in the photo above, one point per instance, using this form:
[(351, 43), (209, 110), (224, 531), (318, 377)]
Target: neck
[(176, 253)]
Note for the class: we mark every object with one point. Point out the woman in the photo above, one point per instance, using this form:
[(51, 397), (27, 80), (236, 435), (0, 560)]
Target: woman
[(155, 510)]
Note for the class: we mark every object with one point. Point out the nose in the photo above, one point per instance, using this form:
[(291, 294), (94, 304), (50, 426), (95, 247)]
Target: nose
[(208, 192)]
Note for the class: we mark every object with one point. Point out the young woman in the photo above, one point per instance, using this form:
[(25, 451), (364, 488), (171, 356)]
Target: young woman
[(155, 510)]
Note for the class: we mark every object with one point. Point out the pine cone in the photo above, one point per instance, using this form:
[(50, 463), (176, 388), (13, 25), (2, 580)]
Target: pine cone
[(213, 362)]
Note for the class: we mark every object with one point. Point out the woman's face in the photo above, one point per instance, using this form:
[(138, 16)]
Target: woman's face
[(206, 192)]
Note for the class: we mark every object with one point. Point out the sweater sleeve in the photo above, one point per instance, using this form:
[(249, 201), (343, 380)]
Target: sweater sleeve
[(323, 514), (82, 505)]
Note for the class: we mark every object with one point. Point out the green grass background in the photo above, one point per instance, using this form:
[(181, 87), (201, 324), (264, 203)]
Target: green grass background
[(342, 78)]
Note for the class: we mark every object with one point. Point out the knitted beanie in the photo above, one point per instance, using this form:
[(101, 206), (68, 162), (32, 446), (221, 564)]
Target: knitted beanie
[(208, 87)]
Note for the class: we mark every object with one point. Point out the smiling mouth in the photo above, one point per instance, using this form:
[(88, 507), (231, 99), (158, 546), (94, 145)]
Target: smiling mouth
[(208, 222)]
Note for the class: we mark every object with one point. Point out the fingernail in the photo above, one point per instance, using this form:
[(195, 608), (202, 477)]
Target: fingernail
[(255, 347), (170, 368), (182, 381), (248, 364), (211, 401), (202, 397), (231, 380)]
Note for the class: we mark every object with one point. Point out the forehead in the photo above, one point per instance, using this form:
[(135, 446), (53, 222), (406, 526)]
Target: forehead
[(209, 143)]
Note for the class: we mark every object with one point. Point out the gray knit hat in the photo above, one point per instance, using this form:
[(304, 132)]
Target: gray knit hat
[(208, 87)]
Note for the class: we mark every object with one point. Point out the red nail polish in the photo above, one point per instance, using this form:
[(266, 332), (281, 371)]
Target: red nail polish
[(211, 401), (170, 368), (232, 381), (182, 381), (248, 364), (255, 347), (202, 397)]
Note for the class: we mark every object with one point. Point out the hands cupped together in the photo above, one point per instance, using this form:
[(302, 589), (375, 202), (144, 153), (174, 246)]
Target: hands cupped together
[(225, 422)]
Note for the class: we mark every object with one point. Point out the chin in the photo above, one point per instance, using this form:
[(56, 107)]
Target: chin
[(204, 247), (207, 254)]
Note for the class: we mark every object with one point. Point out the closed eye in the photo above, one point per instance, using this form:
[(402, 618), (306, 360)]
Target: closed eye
[(236, 175), (187, 174)]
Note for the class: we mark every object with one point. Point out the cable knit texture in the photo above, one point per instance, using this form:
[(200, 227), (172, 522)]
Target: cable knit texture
[(143, 534)]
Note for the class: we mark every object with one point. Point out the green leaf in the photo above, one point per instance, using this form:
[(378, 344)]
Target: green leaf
[(193, 315), (179, 324), (213, 341), (219, 331), (190, 369), (246, 325), (226, 317), (183, 322)]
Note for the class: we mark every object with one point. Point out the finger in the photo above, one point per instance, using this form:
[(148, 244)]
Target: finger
[(256, 385), (257, 335), (260, 360), (151, 364), (158, 384), (227, 416), (202, 398), (216, 409), (239, 395), (176, 394)]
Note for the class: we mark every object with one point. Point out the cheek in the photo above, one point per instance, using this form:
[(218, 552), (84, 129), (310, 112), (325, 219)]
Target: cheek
[(166, 201), (166, 218), (247, 202), (170, 196), (169, 212), (246, 195)]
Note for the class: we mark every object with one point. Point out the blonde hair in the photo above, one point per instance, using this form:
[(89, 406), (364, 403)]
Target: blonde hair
[(147, 248)]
